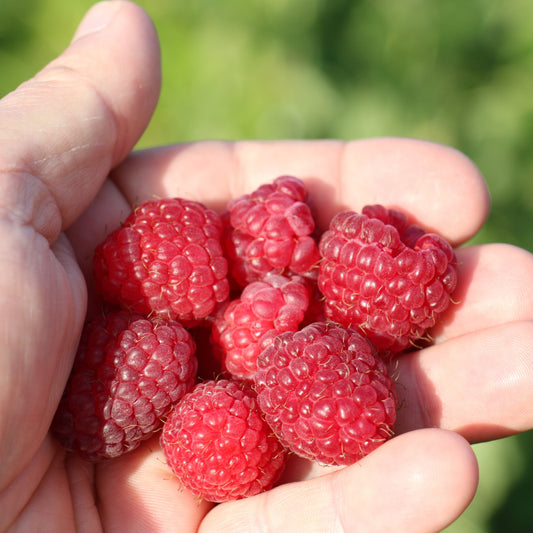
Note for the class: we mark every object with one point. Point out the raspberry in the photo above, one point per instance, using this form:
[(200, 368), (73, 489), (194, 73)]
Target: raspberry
[(271, 229), (128, 373), (166, 259), (326, 393), (388, 278), (219, 446), (264, 309)]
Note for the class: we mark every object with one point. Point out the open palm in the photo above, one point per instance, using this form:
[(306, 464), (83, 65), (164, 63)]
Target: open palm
[(68, 179)]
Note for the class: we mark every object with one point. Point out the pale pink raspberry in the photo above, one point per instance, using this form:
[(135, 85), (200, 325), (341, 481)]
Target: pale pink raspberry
[(271, 229), (264, 309)]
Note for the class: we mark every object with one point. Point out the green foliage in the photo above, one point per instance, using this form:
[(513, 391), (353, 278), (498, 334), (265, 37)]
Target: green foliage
[(455, 72)]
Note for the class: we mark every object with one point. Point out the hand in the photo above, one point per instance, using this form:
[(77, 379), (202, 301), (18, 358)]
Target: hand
[(62, 134)]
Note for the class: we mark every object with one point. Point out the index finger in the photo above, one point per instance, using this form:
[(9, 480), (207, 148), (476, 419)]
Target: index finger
[(437, 186)]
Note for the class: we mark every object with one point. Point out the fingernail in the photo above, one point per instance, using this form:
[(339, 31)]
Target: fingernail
[(97, 18)]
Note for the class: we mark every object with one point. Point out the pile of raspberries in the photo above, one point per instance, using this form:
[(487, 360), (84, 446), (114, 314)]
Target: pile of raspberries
[(242, 337)]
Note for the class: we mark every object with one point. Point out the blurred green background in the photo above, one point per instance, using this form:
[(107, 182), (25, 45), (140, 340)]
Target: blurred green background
[(455, 72)]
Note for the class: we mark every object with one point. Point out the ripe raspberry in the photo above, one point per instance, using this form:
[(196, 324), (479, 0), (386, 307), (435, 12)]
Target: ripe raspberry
[(388, 278), (271, 229), (166, 259), (128, 373), (264, 309), (217, 443), (326, 393)]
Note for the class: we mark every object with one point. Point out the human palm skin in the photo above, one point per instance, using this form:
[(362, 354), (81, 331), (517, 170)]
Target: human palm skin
[(69, 178)]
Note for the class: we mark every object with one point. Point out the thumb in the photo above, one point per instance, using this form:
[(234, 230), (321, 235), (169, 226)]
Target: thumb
[(60, 134), (63, 130)]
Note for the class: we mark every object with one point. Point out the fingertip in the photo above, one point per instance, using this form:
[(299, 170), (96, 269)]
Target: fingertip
[(470, 194), (411, 174), (478, 266), (477, 383), (97, 18), (420, 481)]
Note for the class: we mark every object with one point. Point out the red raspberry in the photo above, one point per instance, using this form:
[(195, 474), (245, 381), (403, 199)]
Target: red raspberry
[(326, 393), (388, 278), (128, 373), (264, 309), (219, 446), (271, 229), (166, 259)]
